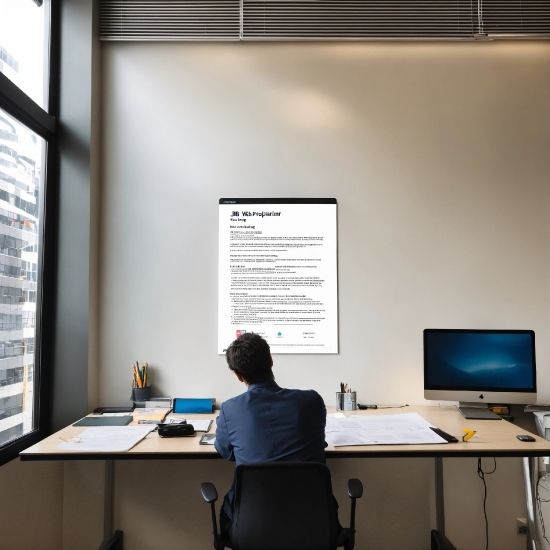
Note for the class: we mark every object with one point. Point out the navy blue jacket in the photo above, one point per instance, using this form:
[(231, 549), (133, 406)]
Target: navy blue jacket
[(269, 423), (265, 424)]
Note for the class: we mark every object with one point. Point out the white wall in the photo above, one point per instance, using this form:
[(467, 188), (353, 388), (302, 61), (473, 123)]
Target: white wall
[(438, 155)]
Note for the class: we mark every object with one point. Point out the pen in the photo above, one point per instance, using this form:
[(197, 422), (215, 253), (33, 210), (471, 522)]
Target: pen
[(140, 375), (136, 377)]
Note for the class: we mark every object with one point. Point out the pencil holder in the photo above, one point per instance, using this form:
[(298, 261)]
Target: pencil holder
[(141, 394), (346, 401)]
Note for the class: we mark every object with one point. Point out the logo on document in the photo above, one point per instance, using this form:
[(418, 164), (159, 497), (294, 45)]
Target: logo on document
[(279, 335), (235, 214), (240, 333)]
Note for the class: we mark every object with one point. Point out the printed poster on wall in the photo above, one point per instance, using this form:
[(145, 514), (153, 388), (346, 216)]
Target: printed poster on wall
[(278, 273)]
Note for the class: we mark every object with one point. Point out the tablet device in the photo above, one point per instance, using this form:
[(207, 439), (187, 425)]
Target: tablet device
[(104, 421)]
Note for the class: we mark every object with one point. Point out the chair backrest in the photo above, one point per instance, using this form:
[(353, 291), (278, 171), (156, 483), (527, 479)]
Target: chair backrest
[(284, 506)]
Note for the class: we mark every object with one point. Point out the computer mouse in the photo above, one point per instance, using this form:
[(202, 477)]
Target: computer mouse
[(525, 438)]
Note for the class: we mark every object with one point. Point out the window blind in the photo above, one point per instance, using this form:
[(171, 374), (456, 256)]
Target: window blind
[(514, 18), (169, 20), (357, 19), (323, 19)]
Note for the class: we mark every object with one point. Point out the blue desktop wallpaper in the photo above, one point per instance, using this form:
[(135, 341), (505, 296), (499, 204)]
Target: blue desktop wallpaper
[(478, 361)]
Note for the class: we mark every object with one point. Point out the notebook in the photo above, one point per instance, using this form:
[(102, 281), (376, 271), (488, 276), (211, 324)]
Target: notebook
[(104, 421)]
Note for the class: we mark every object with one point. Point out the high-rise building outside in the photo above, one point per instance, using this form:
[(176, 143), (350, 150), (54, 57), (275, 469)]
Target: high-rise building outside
[(21, 154)]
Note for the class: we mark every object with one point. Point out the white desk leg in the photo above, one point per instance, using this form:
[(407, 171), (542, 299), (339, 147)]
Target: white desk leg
[(439, 496), (531, 477)]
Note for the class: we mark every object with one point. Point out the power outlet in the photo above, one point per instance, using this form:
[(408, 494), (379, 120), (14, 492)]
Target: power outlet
[(521, 525)]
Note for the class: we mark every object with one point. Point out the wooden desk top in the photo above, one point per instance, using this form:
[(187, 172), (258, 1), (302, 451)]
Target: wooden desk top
[(494, 438)]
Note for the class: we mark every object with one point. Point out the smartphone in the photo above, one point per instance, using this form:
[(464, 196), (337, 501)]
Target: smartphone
[(208, 439)]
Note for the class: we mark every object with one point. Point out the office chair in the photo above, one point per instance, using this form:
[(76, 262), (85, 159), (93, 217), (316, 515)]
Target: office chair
[(285, 506)]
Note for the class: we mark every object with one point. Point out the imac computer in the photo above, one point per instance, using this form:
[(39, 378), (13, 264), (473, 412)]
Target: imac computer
[(477, 367)]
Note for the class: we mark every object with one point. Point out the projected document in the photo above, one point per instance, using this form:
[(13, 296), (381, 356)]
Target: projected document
[(278, 273)]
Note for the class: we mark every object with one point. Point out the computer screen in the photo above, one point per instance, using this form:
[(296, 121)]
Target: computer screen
[(480, 366)]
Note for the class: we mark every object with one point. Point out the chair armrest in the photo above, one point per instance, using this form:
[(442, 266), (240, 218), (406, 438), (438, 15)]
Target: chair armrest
[(209, 492), (355, 491), (355, 488)]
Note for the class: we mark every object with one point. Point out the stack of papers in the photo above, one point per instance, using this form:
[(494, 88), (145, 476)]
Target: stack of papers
[(392, 429), (152, 414), (106, 439)]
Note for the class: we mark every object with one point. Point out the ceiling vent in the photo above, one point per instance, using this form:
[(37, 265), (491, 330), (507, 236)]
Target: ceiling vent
[(169, 20), (290, 20)]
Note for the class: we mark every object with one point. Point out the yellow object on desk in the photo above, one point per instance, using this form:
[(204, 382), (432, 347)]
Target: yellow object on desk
[(150, 414), (468, 434)]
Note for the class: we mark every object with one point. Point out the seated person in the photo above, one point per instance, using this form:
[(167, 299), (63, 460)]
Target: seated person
[(266, 423)]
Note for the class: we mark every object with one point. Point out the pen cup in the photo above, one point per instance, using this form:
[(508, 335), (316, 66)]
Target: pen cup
[(141, 394), (346, 401)]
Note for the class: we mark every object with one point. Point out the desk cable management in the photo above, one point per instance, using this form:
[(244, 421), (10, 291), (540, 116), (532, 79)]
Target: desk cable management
[(481, 474)]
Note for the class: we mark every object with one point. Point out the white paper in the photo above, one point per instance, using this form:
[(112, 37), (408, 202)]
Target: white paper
[(398, 429), (107, 439), (149, 410), (278, 275)]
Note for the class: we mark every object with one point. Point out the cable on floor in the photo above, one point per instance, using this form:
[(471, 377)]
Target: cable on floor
[(481, 474)]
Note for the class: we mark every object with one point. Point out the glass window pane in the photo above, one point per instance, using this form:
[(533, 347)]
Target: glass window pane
[(22, 155), (23, 40)]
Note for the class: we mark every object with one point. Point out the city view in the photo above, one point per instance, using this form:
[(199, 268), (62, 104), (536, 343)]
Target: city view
[(21, 154)]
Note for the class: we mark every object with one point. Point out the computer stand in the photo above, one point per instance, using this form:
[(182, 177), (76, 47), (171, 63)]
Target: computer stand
[(477, 411)]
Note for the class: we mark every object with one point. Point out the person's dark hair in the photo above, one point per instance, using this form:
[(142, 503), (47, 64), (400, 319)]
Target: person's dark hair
[(250, 357)]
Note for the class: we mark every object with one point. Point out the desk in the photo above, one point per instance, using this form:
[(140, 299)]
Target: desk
[(495, 438)]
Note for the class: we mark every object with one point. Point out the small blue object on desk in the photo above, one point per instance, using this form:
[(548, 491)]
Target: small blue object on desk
[(183, 405)]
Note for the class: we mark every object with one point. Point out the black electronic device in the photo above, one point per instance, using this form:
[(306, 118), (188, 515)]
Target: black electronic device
[(101, 410), (478, 367), (101, 420), (176, 430), (447, 437), (526, 438)]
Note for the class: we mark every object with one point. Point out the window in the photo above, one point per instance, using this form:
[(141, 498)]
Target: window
[(28, 142), (23, 37)]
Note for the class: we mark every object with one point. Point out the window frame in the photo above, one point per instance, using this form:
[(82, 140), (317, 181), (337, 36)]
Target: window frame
[(21, 107)]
